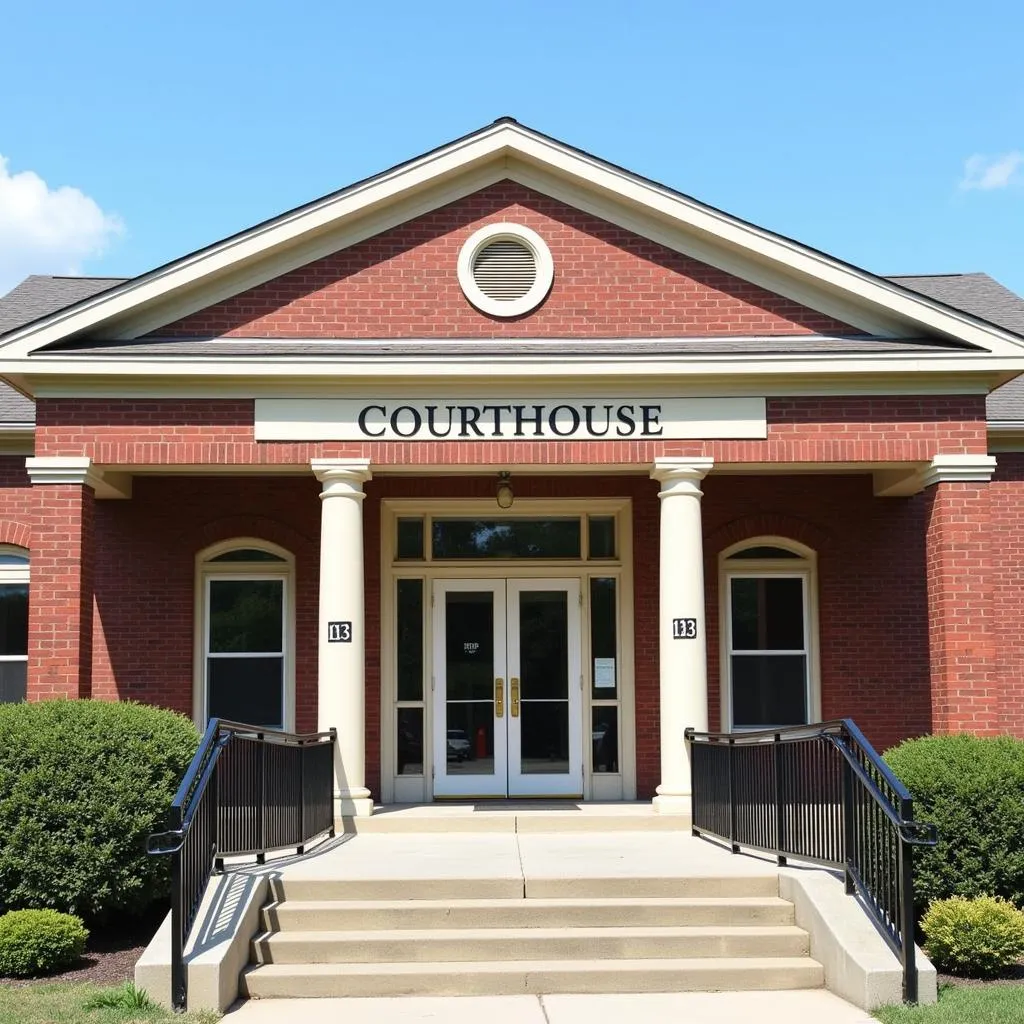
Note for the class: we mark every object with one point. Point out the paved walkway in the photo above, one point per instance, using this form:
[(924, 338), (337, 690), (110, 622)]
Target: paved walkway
[(807, 1007)]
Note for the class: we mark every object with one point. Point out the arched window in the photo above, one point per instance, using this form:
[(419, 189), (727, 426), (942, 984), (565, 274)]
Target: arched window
[(769, 634), (245, 634), (13, 623)]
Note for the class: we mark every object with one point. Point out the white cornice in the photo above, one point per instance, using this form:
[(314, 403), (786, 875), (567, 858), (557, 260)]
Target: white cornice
[(61, 470), (957, 468)]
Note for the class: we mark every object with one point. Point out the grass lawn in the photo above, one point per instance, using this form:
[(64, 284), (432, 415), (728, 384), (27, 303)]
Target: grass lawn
[(68, 1003), (962, 1004)]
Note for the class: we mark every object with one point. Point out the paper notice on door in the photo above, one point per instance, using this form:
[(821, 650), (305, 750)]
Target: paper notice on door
[(604, 673)]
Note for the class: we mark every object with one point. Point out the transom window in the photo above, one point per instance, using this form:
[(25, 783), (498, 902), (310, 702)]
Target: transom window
[(13, 623), (768, 643), (463, 538), (246, 625)]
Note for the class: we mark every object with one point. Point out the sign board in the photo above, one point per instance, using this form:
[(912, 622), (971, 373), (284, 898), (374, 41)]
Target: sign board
[(339, 632), (474, 419)]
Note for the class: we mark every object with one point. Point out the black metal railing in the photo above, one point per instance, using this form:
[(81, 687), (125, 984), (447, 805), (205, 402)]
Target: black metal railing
[(248, 790), (819, 793)]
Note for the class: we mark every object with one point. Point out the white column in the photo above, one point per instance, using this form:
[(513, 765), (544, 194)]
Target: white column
[(341, 691), (681, 626)]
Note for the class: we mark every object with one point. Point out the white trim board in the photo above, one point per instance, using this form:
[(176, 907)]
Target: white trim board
[(510, 150)]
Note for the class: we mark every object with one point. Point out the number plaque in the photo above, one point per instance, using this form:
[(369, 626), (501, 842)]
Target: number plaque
[(339, 632)]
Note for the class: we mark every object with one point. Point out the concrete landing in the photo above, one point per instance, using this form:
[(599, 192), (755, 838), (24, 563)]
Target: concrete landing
[(509, 864), (693, 1008)]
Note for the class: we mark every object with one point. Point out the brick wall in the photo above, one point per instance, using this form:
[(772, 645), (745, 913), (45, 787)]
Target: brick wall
[(609, 282), (873, 602), (220, 431), (17, 502), (1006, 495)]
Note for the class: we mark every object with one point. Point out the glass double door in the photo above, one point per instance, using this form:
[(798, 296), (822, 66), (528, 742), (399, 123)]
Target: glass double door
[(507, 688)]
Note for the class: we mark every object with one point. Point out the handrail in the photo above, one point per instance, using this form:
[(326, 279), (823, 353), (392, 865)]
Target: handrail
[(248, 790), (818, 792)]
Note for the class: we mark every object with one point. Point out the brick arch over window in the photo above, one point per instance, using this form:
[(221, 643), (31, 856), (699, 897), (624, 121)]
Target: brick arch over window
[(15, 533), (229, 527), (736, 531), (765, 524)]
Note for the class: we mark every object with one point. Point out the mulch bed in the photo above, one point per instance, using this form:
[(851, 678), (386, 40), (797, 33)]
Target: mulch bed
[(110, 954), (1013, 977)]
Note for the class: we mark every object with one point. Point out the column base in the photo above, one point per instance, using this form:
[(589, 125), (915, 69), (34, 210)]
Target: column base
[(676, 803), (353, 807)]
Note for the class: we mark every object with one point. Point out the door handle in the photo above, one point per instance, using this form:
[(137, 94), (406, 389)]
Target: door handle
[(514, 709), (499, 697)]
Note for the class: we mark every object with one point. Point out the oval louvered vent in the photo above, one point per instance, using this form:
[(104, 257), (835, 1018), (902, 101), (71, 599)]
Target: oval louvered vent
[(505, 270)]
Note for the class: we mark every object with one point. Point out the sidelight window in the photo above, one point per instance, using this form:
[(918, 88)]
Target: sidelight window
[(769, 635)]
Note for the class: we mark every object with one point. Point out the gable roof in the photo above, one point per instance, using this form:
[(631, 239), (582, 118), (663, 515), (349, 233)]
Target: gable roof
[(981, 295), (977, 294), (37, 296), (506, 149), (41, 294)]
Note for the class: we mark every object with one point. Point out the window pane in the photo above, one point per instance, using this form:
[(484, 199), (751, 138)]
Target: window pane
[(469, 731), (605, 736), (544, 645), (410, 640), (248, 690), (506, 538), (601, 531), (13, 558), (603, 640), (767, 614), (247, 555), (544, 739), (469, 645), (764, 551), (14, 618), (410, 538), (246, 616), (12, 681), (409, 742), (769, 689)]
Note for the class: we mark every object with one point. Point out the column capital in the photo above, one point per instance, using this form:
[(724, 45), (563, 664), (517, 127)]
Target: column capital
[(681, 475), (958, 468), (61, 469), (341, 477)]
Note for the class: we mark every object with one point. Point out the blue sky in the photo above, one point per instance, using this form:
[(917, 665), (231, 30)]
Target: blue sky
[(889, 134)]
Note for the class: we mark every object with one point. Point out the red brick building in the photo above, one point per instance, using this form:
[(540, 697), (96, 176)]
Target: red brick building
[(511, 465)]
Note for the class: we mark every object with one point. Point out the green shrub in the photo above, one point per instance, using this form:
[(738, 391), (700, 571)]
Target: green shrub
[(972, 790), (39, 941), (979, 937), (82, 783)]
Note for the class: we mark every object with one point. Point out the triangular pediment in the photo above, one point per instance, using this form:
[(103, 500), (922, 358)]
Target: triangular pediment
[(676, 268)]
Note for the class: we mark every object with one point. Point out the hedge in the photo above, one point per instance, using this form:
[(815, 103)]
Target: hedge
[(82, 783), (972, 789)]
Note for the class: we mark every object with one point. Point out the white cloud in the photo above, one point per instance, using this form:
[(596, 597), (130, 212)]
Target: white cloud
[(47, 230), (986, 173)]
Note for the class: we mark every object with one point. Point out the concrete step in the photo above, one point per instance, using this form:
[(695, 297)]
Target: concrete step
[(268, 981), (512, 887), (507, 944), (438, 818), (350, 915)]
